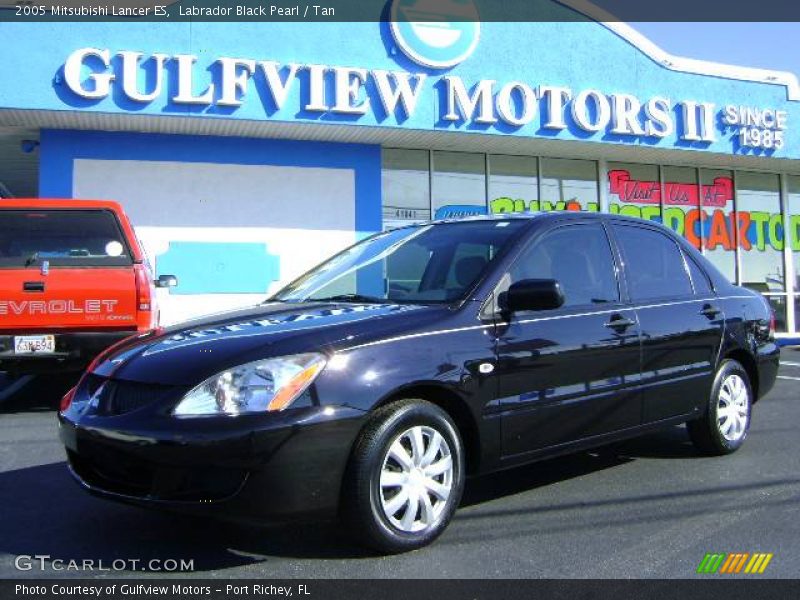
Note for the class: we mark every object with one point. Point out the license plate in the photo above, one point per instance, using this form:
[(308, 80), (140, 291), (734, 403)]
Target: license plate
[(34, 344)]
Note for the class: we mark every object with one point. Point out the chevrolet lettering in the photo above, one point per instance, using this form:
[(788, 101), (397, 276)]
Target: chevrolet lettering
[(56, 307)]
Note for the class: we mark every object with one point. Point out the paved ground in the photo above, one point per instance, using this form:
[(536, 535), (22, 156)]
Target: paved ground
[(646, 508)]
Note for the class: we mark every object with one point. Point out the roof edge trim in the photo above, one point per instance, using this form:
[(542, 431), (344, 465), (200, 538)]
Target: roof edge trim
[(681, 63)]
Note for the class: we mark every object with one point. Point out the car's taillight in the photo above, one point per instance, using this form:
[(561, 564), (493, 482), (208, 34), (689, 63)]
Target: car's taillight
[(145, 294), (67, 400), (772, 323)]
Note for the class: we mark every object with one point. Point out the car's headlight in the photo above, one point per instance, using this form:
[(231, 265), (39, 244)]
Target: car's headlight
[(256, 387)]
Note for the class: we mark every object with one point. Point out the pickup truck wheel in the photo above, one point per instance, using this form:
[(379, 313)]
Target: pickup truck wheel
[(405, 477), (724, 426)]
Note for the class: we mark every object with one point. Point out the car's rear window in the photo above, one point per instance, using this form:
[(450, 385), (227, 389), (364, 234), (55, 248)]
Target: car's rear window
[(62, 238)]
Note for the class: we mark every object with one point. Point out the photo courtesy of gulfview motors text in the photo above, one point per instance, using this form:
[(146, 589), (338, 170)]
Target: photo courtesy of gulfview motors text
[(171, 590), (451, 291)]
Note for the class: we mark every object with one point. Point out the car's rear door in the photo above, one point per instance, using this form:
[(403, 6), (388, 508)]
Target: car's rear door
[(680, 319), (573, 372), (64, 269)]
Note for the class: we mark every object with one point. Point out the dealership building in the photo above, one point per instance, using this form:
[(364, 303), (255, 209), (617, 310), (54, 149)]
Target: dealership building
[(246, 152)]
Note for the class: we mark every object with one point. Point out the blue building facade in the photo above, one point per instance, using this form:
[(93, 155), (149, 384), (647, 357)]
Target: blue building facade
[(247, 152)]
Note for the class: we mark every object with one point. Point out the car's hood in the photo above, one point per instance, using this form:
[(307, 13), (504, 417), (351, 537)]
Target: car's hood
[(190, 352)]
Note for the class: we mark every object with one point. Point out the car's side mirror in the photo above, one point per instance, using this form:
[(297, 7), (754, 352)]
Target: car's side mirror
[(532, 294), (166, 281)]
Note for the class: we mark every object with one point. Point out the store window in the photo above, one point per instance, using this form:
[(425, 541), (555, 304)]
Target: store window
[(406, 187), (568, 185), (761, 239), (680, 205), (459, 184), (634, 190), (718, 226), (779, 308), (793, 238), (513, 183)]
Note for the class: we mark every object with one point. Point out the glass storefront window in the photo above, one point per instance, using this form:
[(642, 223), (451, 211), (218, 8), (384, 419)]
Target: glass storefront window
[(758, 202), (778, 304), (718, 227), (793, 237), (634, 191), (406, 189), (459, 184), (568, 185), (513, 183), (696, 203), (681, 203)]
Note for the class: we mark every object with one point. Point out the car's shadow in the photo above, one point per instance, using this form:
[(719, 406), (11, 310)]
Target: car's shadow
[(46, 513), (38, 394)]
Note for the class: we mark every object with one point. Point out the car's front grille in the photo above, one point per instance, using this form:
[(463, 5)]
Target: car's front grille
[(108, 469), (117, 397)]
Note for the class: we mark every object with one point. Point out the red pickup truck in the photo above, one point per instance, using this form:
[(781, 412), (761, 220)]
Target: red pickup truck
[(73, 281)]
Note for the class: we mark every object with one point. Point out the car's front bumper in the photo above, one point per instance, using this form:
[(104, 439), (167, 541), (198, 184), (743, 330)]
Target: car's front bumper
[(269, 467)]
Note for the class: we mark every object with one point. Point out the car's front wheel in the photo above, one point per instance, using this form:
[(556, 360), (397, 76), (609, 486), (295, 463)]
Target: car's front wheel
[(724, 425), (405, 477)]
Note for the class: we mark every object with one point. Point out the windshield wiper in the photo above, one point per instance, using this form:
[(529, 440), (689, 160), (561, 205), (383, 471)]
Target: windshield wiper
[(349, 298), (32, 259)]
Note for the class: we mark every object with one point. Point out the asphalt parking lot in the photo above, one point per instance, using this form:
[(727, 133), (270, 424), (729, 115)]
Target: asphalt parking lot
[(646, 508)]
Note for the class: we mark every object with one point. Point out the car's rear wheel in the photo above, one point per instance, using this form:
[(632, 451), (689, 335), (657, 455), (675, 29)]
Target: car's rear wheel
[(405, 477), (723, 427)]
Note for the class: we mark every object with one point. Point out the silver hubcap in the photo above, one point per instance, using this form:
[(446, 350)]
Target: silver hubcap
[(733, 408), (416, 479)]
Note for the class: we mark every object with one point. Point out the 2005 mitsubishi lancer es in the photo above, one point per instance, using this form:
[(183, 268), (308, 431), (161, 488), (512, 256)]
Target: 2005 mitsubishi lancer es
[(373, 385)]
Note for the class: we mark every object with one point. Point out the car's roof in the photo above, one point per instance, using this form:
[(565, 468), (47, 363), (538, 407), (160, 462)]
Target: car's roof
[(56, 203), (533, 215)]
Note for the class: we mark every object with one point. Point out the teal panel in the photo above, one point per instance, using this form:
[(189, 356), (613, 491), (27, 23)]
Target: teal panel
[(219, 267)]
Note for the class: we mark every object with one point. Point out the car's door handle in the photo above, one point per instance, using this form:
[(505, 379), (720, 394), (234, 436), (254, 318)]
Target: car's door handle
[(618, 321), (33, 286), (710, 311)]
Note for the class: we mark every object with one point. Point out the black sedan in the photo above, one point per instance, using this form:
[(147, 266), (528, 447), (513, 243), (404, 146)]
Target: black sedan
[(371, 387)]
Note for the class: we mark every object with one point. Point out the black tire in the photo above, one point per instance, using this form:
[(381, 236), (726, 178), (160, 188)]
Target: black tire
[(708, 433), (363, 495)]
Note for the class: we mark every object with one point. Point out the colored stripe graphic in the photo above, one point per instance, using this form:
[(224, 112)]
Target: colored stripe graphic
[(711, 563), (758, 563), (734, 563)]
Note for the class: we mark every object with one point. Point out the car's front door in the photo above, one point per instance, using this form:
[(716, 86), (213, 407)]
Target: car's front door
[(572, 372), (680, 318)]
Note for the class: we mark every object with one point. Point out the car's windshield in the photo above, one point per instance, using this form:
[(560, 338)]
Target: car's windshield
[(435, 263), (62, 237)]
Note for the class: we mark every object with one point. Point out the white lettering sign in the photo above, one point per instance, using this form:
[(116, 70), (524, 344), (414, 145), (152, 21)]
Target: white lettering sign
[(91, 73)]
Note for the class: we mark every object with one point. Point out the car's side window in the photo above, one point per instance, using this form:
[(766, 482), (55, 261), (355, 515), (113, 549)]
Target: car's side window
[(579, 257), (702, 287), (654, 264)]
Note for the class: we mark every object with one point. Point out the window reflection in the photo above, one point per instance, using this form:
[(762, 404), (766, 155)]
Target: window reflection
[(513, 183), (568, 185), (634, 191), (404, 178), (717, 221), (681, 203), (760, 231), (459, 184)]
